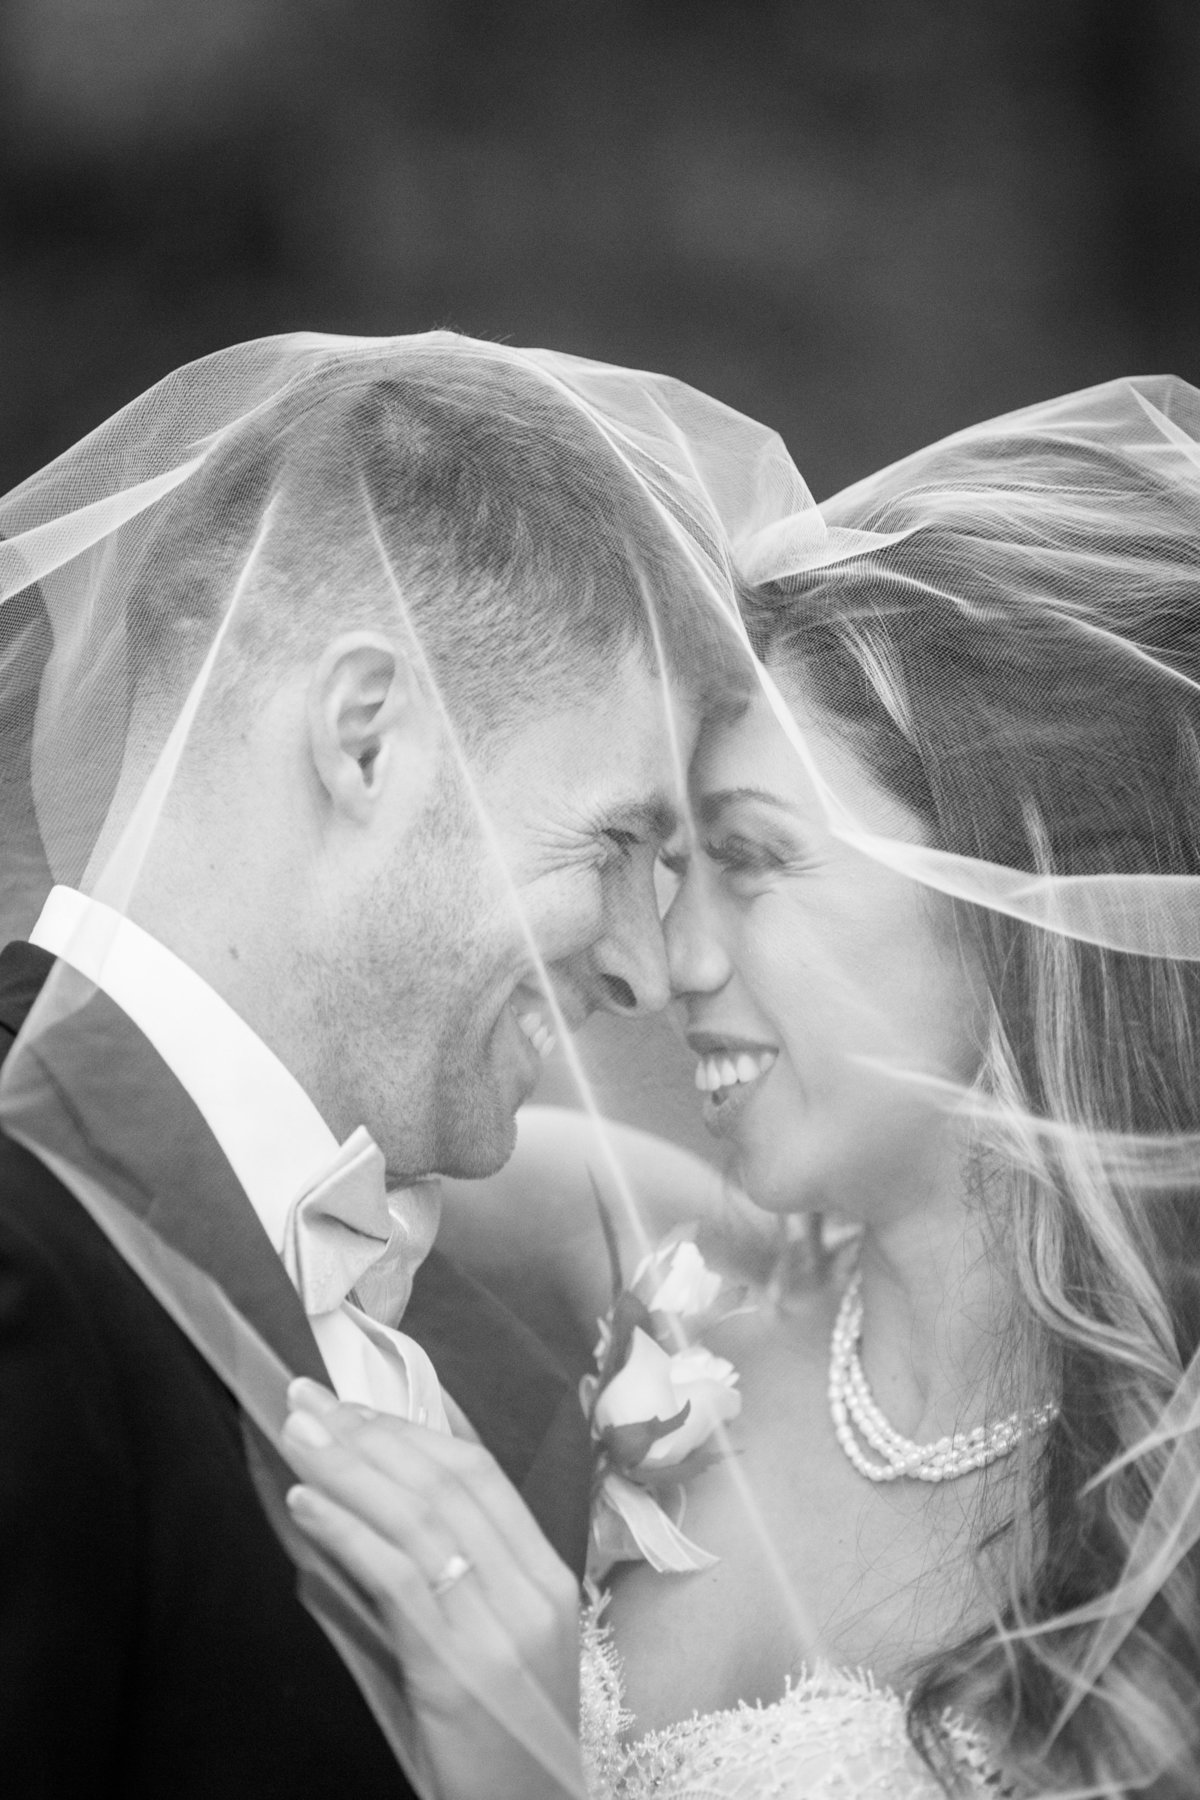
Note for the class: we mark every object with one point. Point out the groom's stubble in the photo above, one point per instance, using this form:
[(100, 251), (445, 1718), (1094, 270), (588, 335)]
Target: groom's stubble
[(400, 998), (512, 889)]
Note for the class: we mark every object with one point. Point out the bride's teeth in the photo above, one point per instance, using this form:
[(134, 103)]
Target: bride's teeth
[(713, 1072)]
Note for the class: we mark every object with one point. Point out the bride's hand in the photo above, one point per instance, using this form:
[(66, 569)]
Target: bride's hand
[(463, 1578)]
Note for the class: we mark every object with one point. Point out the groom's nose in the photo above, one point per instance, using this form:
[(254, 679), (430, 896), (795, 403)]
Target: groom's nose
[(631, 984), (629, 961)]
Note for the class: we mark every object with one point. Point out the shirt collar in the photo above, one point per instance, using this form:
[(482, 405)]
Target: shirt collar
[(274, 1138)]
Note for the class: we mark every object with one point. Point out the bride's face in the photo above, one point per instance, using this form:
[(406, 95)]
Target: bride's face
[(798, 962)]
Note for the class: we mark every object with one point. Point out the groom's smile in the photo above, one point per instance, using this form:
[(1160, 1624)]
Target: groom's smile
[(536, 1034), (576, 810), (535, 1015), (496, 902)]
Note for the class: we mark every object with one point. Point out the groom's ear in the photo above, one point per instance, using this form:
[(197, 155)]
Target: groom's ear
[(372, 727)]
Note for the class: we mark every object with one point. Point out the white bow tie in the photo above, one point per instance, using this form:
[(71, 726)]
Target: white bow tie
[(347, 1236)]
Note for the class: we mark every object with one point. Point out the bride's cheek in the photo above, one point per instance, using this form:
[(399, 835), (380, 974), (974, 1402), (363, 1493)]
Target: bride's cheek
[(768, 952)]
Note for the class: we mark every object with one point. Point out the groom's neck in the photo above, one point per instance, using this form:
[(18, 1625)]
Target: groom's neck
[(245, 952)]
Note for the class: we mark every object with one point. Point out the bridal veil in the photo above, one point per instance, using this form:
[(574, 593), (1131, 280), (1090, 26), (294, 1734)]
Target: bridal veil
[(151, 569)]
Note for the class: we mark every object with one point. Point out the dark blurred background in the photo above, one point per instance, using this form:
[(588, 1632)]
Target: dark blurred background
[(864, 221)]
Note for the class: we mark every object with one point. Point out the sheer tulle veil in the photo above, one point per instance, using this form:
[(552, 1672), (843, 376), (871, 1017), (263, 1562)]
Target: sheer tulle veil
[(1006, 627)]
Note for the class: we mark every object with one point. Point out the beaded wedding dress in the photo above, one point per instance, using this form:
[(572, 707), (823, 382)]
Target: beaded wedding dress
[(835, 1735)]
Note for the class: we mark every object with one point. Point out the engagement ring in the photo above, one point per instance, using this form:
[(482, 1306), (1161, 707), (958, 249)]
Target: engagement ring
[(456, 1567)]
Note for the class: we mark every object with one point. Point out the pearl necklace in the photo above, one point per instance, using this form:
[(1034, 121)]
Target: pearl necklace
[(854, 1409)]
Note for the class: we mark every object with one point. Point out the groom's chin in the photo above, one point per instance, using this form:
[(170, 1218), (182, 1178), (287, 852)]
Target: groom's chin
[(480, 1142)]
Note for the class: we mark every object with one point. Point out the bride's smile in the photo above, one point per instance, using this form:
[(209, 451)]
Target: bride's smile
[(730, 1071)]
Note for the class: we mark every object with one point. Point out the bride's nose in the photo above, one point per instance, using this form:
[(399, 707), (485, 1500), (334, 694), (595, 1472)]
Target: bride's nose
[(697, 961)]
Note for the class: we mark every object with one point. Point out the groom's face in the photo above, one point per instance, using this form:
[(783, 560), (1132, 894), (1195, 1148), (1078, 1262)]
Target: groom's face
[(528, 897)]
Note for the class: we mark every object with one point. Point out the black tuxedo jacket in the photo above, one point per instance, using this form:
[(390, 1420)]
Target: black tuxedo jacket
[(151, 1640)]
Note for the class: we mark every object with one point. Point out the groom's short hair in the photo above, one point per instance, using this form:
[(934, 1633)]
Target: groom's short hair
[(455, 493)]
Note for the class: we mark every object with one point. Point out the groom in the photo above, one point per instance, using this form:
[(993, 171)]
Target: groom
[(417, 812)]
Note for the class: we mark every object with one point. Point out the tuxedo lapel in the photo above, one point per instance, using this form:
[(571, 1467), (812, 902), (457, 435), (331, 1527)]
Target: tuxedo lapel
[(120, 1114), (100, 1094), (92, 1094)]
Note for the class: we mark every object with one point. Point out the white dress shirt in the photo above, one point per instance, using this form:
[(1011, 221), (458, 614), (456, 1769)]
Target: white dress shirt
[(272, 1135)]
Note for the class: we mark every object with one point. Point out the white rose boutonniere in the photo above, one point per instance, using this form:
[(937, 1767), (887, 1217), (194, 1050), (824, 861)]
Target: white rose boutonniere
[(654, 1403), (671, 1404), (674, 1278)]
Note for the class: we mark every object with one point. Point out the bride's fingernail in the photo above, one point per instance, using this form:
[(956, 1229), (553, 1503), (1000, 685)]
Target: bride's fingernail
[(302, 1428), (355, 1414), (310, 1395), (302, 1501)]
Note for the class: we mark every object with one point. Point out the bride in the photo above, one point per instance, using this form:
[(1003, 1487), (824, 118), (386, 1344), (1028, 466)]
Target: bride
[(938, 974)]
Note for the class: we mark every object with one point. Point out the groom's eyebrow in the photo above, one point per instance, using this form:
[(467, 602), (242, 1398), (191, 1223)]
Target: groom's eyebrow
[(654, 818)]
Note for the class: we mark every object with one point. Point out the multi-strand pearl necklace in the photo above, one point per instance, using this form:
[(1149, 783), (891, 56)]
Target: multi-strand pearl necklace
[(854, 1410)]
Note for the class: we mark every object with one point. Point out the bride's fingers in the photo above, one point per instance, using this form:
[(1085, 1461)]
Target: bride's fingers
[(445, 1641), (436, 1652), (391, 1577), (335, 1470), (451, 1477), (434, 1518), (483, 1704), (307, 1395)]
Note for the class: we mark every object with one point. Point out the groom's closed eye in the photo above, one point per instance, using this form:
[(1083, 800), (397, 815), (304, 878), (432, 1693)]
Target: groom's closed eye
[(639, 822)]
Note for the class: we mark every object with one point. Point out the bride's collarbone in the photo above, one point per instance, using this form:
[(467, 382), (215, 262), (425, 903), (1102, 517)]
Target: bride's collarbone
[(816, 1563)]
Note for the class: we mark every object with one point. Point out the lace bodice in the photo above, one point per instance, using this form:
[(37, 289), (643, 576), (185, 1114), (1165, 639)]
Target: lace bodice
[(835, 1735)]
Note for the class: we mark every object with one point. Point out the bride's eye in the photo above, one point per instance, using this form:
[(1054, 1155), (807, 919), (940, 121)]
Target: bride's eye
[(743, 856)]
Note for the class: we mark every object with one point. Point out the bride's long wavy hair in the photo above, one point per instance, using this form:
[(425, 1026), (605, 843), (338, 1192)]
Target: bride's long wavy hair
[(1000, 671)]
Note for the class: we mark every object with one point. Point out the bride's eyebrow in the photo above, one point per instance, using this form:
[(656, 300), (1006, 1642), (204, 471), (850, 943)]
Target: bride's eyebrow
[(712, 804)]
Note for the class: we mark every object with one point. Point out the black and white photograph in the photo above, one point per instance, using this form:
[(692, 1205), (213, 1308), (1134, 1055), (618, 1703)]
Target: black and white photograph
[(599, 900)]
